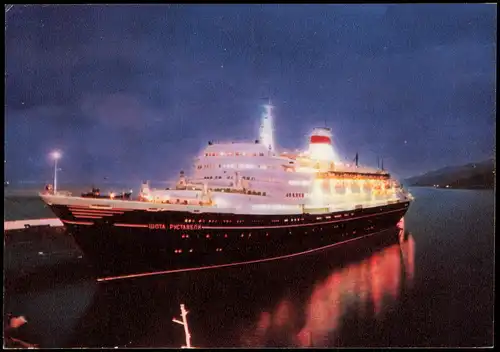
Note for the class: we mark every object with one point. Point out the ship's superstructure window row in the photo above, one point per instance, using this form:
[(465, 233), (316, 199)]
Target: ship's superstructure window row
[(234, 166), (296, 195), (235, 154)]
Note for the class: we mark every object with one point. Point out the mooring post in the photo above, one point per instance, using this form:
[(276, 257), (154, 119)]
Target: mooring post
[(184, 322)]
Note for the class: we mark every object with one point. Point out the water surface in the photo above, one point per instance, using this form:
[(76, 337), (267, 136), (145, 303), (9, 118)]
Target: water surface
[(428, 285)]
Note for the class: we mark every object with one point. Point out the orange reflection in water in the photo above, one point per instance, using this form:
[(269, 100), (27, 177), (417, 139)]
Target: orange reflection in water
[(282, 314), (371, 283)]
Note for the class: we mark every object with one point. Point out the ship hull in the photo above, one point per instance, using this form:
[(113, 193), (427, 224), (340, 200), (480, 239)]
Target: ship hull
[(136, 241)]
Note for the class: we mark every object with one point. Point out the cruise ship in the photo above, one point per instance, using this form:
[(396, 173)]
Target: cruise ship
[(242, 202)]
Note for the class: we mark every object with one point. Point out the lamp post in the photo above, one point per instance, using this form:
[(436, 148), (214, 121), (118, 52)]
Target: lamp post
[(56, 155)]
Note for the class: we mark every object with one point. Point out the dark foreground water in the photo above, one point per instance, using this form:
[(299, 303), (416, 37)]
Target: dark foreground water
[(430, 286)]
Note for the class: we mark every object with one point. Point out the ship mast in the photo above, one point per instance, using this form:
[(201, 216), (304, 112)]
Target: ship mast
[(266, 127)]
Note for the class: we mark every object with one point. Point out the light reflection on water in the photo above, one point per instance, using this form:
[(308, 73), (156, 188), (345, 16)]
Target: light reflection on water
[(368, 286)]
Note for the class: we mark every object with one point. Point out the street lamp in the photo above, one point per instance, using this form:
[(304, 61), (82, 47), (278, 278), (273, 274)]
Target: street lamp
[(56, 155)]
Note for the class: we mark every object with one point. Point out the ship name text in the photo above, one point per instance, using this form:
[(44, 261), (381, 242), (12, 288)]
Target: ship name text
[(157, 226), (185, 227)]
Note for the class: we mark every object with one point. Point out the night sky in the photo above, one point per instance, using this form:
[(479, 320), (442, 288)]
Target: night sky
[(134, 92)]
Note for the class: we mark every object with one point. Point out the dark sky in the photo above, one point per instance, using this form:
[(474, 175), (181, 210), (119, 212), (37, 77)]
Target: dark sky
[(134, 92)]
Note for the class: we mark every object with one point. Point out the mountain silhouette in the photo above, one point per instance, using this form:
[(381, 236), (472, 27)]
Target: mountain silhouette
[(480, 175)]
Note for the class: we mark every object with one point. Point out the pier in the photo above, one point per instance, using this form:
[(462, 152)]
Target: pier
[(23, 224)]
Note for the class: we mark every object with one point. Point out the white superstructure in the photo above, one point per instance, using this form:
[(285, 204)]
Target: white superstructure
[(256, 177)]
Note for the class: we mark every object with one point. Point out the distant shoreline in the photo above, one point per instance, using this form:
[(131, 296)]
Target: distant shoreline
[(478, 188)]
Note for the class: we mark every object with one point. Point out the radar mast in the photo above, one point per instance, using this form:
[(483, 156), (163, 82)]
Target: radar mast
[(266, 127)]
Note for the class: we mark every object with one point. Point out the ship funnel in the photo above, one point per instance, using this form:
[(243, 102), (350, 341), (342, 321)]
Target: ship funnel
[(320, 145)]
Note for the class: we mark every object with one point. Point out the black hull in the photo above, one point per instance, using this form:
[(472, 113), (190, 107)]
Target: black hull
[(141, 241)]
